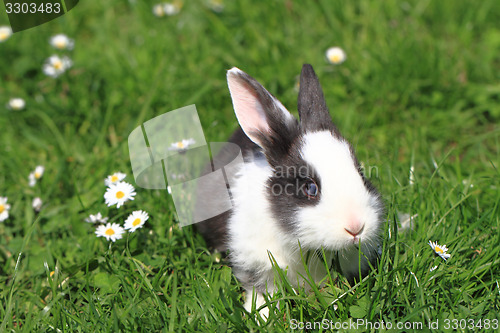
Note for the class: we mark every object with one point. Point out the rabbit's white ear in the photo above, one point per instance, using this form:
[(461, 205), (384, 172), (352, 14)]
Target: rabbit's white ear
[(260, 114)]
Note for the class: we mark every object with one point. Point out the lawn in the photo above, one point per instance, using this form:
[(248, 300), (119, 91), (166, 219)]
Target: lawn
[(418, 97)]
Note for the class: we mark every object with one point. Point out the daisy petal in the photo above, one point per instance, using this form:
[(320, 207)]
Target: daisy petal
[(335, 55), (4, 209), (114, 178), (110, 231), (440, 250), (119, 193), (136, 220)]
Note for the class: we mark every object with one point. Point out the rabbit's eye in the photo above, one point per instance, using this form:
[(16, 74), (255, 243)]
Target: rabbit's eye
[(310, 188)]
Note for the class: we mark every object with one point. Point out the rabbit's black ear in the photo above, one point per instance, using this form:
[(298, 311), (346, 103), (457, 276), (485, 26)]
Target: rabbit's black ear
[(261, 116), (313, 112)]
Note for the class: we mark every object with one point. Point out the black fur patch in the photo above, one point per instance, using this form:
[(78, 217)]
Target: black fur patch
[(214, 230), (285, 189), (279, 142), (313, 112)]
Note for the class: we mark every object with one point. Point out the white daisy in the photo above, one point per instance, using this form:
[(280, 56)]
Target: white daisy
[(55, 65), (97, 218), (117, 194), (433, 268), (158, 10), (440, 250), (216, 5), (39, 170), (16, 104), (172, 8), (5, 33), (181, 145), (335, 55), (136, 220), (62, 42), (4, 209), (37, 204), (36, 175), (468, 182), (31, 179), (112, 232), (114, 178)]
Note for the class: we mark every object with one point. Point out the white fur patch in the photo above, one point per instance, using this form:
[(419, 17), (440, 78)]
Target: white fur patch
[(344, 200), (252, 229)]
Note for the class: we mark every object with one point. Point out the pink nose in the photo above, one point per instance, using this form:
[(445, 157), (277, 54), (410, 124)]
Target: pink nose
[(355, 228)]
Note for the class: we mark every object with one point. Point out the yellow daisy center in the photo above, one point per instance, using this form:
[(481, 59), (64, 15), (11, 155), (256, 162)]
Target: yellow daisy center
[(110, 232), (15, 105), (438, 249), (335, 58), (180, 144), (120, 194), (38, 175), (2, 208), (114, 178), (58, 65), (136, 222), (3, 36), (52, 273), (158, 10), (60, 44)]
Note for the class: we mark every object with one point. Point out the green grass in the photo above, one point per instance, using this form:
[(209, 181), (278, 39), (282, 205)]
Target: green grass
[(420, 88)]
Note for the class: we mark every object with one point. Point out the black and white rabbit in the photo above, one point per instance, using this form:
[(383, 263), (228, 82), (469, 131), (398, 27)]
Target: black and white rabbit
[(300, 184)]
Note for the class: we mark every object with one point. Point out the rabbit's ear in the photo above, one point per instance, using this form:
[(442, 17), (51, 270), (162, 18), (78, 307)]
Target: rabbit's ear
[(261, 116), (313, 112)]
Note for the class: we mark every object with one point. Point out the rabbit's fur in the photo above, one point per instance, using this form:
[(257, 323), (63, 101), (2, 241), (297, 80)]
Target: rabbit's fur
[(300, 188)]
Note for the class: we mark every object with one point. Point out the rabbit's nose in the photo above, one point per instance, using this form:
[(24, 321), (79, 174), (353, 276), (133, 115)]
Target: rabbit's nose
[(355, 228)]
